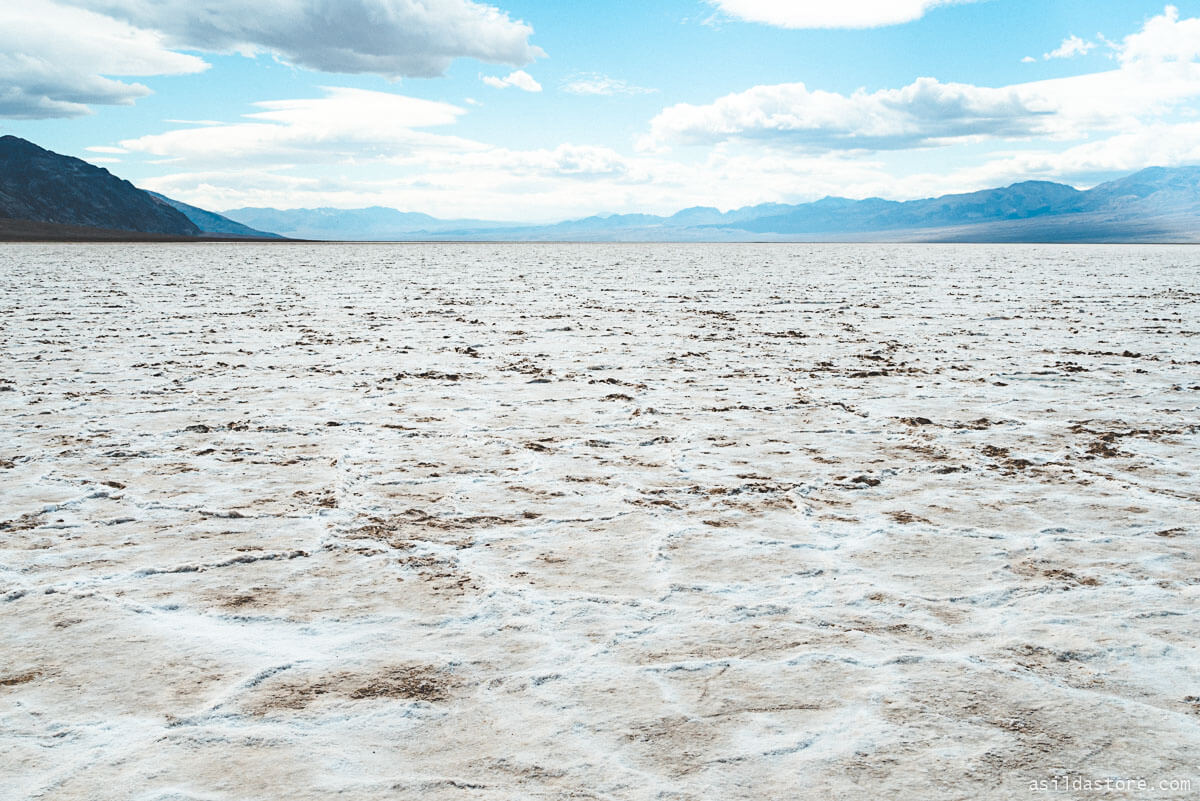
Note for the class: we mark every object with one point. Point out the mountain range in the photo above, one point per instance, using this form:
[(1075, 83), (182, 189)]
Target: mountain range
[(1154, 205), (45, 195), (376, 223)]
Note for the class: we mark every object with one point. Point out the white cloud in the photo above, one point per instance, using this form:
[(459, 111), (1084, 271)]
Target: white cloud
[(825, 14), (1029, 60), (1071, 46), (344, 125), (55, 61), (1164, 38), (392, 38), (520, 80), (924, 113), (1159, 73), (594, 83)]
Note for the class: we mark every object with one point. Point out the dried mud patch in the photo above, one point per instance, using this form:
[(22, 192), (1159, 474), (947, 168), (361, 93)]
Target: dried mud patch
[(408, 683), (17, 679)]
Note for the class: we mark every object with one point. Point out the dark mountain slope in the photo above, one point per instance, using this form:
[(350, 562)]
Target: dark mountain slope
[(41, 186)]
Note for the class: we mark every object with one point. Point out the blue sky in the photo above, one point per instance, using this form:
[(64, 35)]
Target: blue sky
[(539, 110)]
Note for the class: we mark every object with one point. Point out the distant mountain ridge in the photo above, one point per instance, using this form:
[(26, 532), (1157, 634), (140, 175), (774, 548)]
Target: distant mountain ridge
[(41, 186), (40, 190), (1154, 205), (1017, 202), (373, 223)]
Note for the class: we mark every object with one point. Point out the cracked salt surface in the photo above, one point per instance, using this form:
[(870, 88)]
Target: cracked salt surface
[(596, 521)]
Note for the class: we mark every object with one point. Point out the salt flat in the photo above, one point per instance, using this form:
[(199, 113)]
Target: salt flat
[(597, 521)]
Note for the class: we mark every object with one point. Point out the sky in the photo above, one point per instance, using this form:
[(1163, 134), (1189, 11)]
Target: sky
[(543, 110)]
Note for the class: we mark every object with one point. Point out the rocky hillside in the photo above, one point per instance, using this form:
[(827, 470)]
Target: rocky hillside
[(40, 186)]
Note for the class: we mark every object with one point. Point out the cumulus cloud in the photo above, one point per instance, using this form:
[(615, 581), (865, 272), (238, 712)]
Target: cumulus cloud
[(1159, 72), (1164, 38), (57, 61), (1071, 47), (520, 80), (923, 113), (393, 38), (824, 14), (594, 83)]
